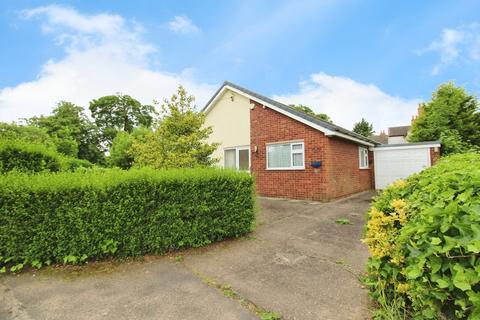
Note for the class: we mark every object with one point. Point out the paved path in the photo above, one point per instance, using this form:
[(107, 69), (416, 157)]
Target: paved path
[(299, 263)]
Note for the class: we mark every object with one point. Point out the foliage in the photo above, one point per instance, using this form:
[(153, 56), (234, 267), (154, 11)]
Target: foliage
[(120, 113), (121, 150), (423, 235), (70, 217), (180, 139), (27, 157), (343, 221), (30, 157), (452, 116), (28, 134), (72, 164), (310, 112), (268, 315), (74, 134), (364, 128)]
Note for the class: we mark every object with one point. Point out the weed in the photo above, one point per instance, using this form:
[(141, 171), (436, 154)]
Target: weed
[(269, 316), (343, 221)]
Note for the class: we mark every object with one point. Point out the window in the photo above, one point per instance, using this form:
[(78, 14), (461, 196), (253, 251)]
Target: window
[(363, 157), (237, 158), (230, 159), (285, 156)]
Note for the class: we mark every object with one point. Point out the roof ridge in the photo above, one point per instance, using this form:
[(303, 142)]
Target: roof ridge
[(327, 125)]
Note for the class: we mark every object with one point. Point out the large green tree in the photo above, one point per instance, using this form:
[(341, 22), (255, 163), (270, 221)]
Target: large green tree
[(310, 112), (180, 139), (74, 134), (120, 113), (452, 116), (121, 154), (364, 128)]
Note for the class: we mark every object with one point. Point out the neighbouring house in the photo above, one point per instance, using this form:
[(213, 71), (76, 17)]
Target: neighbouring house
[(381, 138), (398, 135), (290, 154)]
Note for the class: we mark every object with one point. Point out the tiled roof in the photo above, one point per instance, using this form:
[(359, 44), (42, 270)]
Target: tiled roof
[(401, 131)]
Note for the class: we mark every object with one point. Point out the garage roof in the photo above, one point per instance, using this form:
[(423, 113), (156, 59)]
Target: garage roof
[(423, 144)]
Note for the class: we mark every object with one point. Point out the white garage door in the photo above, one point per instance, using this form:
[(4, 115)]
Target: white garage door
[(397, 163)]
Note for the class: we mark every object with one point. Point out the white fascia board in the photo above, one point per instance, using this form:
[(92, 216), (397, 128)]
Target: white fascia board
[(288, 114), (214, 100), (346, 136), (415, 146), (326, 131)]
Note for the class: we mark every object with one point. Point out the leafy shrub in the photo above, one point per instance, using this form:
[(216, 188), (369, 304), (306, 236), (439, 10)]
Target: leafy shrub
[(423, 235), (72, 164), (69, 217), (27, 134), (22, 156)]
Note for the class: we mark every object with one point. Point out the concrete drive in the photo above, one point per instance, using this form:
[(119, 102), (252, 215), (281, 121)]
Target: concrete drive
[(298, 263)]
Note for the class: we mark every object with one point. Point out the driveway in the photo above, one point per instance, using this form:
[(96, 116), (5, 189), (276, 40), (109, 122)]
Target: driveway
[(298, 263)]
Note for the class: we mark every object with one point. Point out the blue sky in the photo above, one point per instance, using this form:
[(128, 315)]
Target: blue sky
[(375, 59)]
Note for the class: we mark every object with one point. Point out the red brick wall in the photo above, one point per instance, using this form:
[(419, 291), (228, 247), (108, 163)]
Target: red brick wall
[(338, 176), (434, 155), (345, 176)]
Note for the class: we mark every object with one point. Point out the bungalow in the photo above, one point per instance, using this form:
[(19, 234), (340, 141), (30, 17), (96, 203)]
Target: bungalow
[(291, 154)]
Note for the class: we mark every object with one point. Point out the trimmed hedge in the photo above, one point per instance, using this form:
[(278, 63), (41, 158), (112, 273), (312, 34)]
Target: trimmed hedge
[(30, 157), (22, 156), (69, 217), (72, 164), (424, 238)]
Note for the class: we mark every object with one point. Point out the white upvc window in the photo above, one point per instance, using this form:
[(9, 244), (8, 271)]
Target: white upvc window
[(363, 157), (237, 158), (286, 156)]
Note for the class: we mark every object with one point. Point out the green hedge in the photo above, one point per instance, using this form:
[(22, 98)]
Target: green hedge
[(30, 157), (424, 238), (73, 216), (23, 156), (72, 164)]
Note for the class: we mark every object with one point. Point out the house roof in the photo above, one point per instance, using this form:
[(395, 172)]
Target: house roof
[(380, 138), (401, 131), (328, 128)]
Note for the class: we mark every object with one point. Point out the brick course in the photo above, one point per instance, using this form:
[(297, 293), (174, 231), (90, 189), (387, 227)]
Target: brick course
[(434, 155), (338, 176)]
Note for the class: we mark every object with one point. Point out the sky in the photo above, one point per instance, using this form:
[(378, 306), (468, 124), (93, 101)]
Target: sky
[(349, 59)]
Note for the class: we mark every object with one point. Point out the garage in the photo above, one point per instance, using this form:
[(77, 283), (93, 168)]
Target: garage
[(398, 161)]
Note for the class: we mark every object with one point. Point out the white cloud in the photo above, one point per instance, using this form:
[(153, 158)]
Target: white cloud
[(460, 44), (183, 25), (347, 101), (104, 54)]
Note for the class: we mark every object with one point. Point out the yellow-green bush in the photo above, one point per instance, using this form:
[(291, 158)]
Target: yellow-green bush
[(423, 235), (68, 217)]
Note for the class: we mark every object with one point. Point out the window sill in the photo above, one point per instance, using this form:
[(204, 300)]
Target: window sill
[(366, 168), (285, 169)]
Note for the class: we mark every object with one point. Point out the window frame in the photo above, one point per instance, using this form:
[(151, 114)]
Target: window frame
[(292, 152), (363, 155), (237, 157)]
